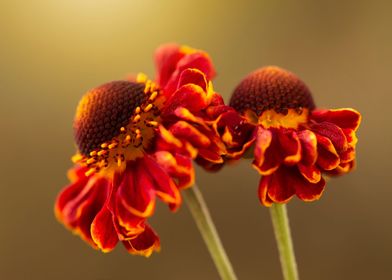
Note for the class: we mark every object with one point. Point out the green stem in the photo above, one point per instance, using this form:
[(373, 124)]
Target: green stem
[(280, 222), (202, 217)]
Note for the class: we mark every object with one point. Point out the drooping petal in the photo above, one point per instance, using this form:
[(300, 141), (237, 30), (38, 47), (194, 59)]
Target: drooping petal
[(177, 166), (143, 244), (310, 172), (291, 146), (164, 186), (263, 141), (103, 231), (309, 146), (136, 191), (281, 186), (263, 191), (273, 155), (308, 191)]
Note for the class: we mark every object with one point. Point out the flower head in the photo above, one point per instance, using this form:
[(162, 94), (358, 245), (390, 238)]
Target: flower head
[(136, 140), (294, 142)]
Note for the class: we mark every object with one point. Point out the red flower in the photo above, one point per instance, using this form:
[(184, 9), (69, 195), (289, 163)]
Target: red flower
[(294, 142), (136, 141)]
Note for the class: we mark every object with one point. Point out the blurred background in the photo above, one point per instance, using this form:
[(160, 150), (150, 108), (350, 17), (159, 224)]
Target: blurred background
[(51, 52)]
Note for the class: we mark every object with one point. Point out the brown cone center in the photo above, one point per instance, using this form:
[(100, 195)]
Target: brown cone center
[(103, 111), (271, 88)]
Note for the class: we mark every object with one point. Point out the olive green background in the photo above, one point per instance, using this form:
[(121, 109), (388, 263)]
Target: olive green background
[(51, 52)]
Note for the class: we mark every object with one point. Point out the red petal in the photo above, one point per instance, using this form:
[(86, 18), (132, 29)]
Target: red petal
[(281, 187), (328, 158), (344, 118), (177, 166), (165, 188), (143, 244), (291, 146), (263, 191), (307, 191), (263, 141), (310, 172), (193, 76), (332, 132), (166, 59), (272, 157), (136, 191), (103, 232), (190, 96), (184, 130), (309, 147)]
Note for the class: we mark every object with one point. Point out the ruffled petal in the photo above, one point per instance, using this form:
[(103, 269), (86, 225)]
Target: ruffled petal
[(310, 172), (308, 191), (189, 96), (343, 118), (333, 133), (328, 158)]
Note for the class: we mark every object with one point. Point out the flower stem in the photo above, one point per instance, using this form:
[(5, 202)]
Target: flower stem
[(202, 217), (280, 222)]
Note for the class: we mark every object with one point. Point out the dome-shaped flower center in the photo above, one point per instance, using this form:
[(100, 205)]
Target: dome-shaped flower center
[(114, 123), (103, 111), (271, 88)]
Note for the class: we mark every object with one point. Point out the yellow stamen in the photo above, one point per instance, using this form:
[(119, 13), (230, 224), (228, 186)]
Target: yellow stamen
[(112, 146), (102, 152), (90, 160), (153, 123), (153, 95), (89, 172), (137, 110), (147, 108), (136, 118)]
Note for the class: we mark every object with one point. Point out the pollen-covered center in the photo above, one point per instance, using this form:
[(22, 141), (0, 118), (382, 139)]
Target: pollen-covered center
[(271, 88), (115, 123)]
